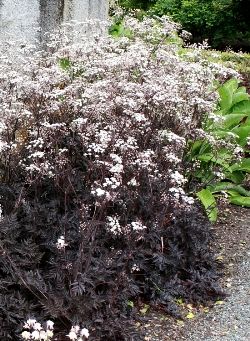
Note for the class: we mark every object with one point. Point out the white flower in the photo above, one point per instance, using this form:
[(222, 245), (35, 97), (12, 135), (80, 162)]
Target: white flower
[(72, 335), (137, 226), (30, 323), (177, 178), (37, 326), (135, 267), (118, 168), (50, 324), (50, 333), (37, 154), (85, 332), (99, 192), (35, 335), (114, 225), (75, 329), (44, 335), (25, 335), (61, 243), (133, 182)]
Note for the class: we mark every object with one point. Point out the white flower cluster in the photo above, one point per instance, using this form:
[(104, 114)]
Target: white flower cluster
[(124, 110), (137, 226), (114, 225), (78, 334), (61, 243), (35, 331)]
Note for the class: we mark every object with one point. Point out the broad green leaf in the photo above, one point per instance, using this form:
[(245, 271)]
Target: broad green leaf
[(209, 202), (231, 85), (200, 147), (243, 133), (224, 133), (225, 98), (242, 108), (237, 177), (228, 186), (243, 165), (239, 97), (240, 200), (241, 89), (220, 159), (232, 120)]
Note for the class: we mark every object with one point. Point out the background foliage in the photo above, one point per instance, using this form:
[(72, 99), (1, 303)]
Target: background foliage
[(223, 22)]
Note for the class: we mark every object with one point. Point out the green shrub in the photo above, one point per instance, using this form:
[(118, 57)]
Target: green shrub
[(221, 158), (223, 22)]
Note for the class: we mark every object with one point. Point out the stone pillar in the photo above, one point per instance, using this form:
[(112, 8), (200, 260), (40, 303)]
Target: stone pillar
[(21, 19)]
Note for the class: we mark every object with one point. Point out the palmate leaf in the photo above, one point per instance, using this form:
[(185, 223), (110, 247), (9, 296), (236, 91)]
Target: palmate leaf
[(208, 200)]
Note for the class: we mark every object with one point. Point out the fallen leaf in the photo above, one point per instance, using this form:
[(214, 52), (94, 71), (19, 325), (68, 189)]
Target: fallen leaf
[(180, 322), (190, 316), (144, 310), (219, 302), (190, 307)]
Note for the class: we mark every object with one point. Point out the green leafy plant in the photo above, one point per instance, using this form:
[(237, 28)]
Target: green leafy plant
[(228, 132)]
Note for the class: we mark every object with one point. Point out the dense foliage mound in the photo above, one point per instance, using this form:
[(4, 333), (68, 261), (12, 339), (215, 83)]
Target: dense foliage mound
[(93, 208)]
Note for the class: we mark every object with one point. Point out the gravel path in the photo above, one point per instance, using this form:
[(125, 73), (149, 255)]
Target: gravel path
[(229, 320)]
